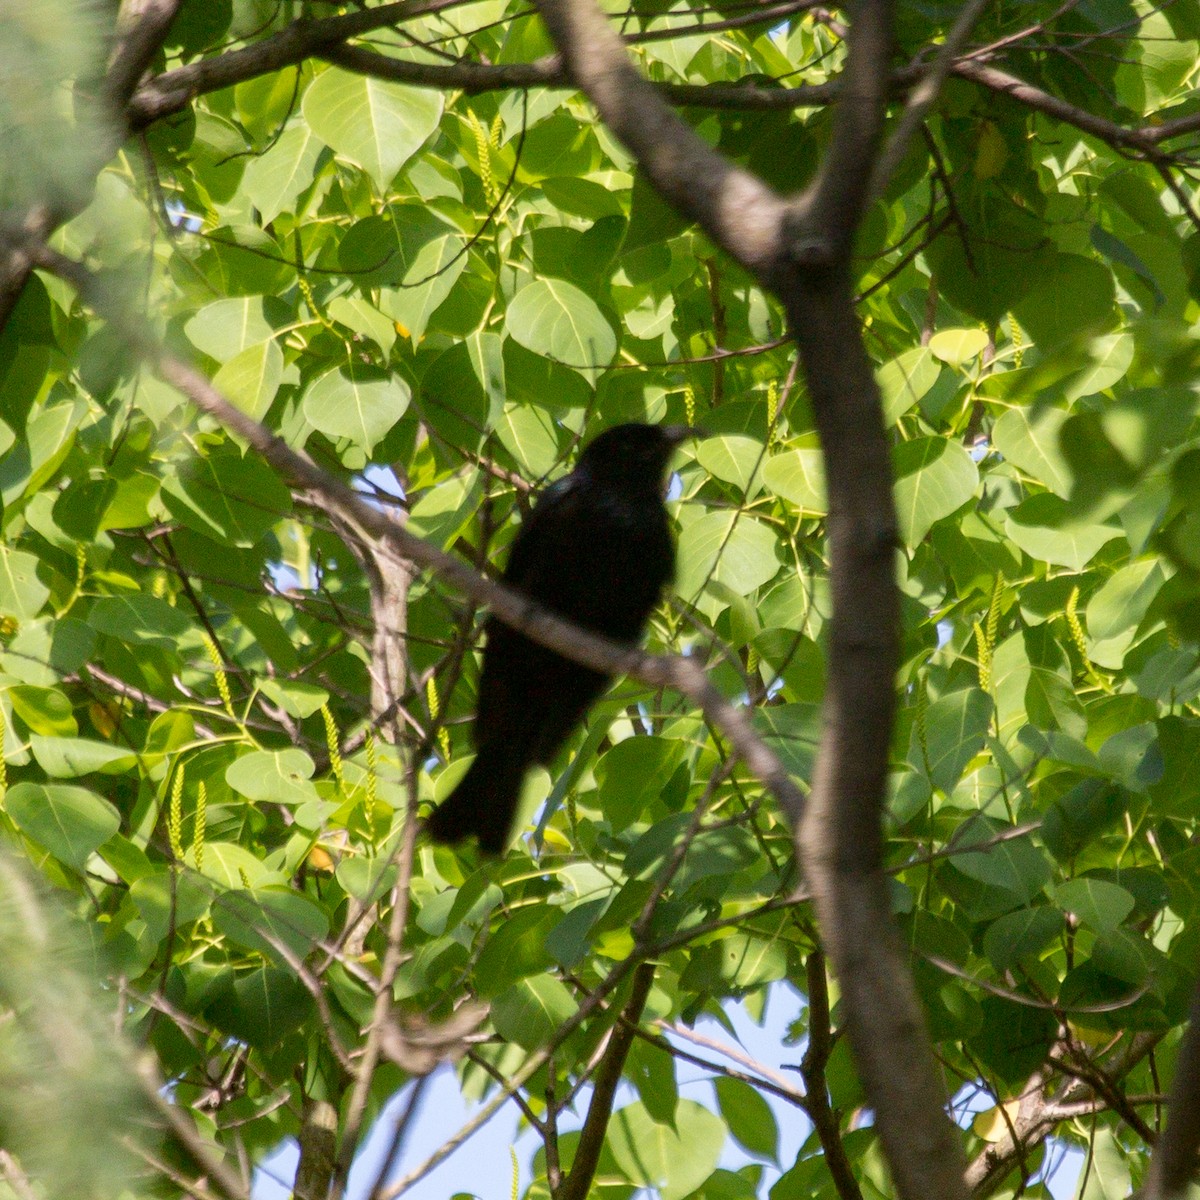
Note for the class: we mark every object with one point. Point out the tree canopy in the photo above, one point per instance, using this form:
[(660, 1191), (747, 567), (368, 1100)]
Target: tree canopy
[(302, 303)]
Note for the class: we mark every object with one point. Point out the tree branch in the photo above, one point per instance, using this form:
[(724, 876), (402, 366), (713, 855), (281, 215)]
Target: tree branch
[(1173, 1165), (578, 1183)]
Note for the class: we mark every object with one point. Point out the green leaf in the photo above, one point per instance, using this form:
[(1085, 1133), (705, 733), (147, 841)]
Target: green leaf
[(799, 477), (273, 776), (1095, 902), (429, 277), (958, 346), (934, 477), (1015, 866), (251, 378), (1028, 438), (956, 727), (531, 1011), (261, 1007), (224, 328), (675, 1158), (555, 319), (736, 460), (632, 775), (357, 402), (70, 822), (749, 1117), (375, 124), (1020, 934), (22, 593), (515, 950), (296, 699), (1112, 356), (443, 512), (1091, 307), (1117, 607), (45, 710), (1046, 528), (168, 899), (139, 620), (1110, 1177), (69, 758), (227, 497), (905, 380), (1177, 790), (49, 435), (282, 924), (274, 179), (730, 547)]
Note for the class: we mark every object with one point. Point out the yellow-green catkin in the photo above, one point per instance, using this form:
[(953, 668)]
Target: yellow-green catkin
[(435, 708), (1014, 332), (1074, 626), (80, 574), (372, 768), (335, 750), (158, 585), (516, 1174), (496, 130), (3, 763), (175, 815), (372, 749), (689, 404), (984, 652), (993, 616), (222, 680), (985, 635), (772, 409), (311, 300), (572, 816), (200, 826), (483, 151)]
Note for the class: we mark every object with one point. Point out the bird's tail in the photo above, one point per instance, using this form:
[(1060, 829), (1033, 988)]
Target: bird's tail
[(483, 804)]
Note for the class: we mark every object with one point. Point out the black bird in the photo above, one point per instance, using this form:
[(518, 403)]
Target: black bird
[(597, 550)]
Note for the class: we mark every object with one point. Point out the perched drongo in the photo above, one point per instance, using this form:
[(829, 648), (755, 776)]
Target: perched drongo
[(596, 550)]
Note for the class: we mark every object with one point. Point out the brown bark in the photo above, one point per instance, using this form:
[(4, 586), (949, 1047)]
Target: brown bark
[(1174, 1163)]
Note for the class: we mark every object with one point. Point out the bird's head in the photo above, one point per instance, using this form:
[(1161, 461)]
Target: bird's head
[(634, 452)]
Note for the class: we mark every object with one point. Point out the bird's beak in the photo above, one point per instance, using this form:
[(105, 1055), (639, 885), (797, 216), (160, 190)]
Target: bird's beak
[(675, 434)]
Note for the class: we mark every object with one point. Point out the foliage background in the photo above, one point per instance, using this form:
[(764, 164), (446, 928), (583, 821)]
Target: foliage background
[(438, 292)]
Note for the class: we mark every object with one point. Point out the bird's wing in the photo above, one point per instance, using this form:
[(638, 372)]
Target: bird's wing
[(537, 549)]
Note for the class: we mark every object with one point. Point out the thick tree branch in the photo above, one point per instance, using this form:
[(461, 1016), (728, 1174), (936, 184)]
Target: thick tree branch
[(142, 25), (1038, 1113), (578, 1183), (1174, 1163)]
